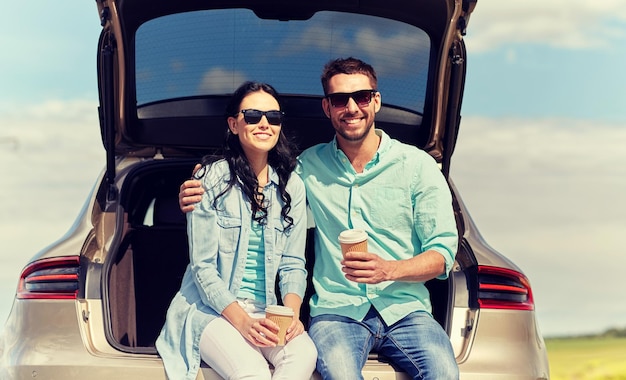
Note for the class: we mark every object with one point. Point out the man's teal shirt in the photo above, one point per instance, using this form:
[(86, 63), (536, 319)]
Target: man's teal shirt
[(403, 202)]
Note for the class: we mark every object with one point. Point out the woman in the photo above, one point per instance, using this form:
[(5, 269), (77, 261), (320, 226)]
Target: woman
[(249, 227)]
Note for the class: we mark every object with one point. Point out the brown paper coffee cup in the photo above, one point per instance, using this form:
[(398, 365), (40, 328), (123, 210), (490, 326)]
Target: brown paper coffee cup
[(353, 240), (282, 316)]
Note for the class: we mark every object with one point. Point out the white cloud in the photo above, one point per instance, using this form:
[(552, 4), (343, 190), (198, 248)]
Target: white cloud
[(365, 39), (548, 194), (51, 154), (568, 24), (220, 80)]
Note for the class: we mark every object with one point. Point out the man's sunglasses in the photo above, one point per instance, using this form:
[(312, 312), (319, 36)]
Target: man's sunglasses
[(254, 116), (341, 99)]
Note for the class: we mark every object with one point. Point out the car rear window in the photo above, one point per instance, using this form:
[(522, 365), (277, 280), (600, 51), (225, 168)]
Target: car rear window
[(212, 52)]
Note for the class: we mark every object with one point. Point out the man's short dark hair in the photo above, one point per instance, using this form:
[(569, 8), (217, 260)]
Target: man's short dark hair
[(348, 65)]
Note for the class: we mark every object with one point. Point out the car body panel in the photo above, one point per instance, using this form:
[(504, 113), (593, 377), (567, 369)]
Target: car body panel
[(518, 355), (152, 143)]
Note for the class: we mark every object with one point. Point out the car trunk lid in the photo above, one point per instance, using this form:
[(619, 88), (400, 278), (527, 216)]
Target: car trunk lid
[(159, 96)]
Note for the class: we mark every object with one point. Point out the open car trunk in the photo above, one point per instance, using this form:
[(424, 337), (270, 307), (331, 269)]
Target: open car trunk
[(151, 257)]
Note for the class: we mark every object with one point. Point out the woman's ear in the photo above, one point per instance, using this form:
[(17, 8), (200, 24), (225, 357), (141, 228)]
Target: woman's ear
[(232, 125)]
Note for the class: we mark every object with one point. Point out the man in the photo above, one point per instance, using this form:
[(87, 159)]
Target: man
[(373, 301)]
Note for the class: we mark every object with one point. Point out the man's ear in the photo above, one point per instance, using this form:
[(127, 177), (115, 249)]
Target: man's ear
[(377, 102), (326, 107)]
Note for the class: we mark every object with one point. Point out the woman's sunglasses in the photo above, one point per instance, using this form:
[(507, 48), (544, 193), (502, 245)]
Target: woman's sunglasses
[(341, 99), (254, 116)]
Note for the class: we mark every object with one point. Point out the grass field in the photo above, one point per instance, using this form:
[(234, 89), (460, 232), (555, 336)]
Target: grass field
[(587, 358)]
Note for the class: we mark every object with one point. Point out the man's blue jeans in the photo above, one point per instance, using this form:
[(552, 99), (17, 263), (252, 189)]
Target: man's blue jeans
[(416, 345)]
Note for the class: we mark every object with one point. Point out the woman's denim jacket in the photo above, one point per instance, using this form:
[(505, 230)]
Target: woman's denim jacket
[(218, 245)]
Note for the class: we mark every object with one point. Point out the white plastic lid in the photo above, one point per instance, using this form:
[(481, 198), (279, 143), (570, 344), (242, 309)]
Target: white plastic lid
[(352, 236), (279, 310)]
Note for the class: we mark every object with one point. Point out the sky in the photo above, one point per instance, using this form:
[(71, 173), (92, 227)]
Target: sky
[(540, 159)]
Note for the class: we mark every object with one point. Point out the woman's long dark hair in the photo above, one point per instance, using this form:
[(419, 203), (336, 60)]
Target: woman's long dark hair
[(281, 158)]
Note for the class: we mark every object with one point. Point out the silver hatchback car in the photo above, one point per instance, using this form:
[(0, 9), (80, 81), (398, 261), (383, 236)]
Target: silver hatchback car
[(91, 305)]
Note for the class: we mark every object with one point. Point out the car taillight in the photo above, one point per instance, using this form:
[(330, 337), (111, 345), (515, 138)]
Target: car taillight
[(54, 278), (501, 288)]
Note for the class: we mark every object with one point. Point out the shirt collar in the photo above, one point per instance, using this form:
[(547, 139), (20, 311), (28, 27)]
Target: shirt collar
[(273, 175), (384, 146)]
